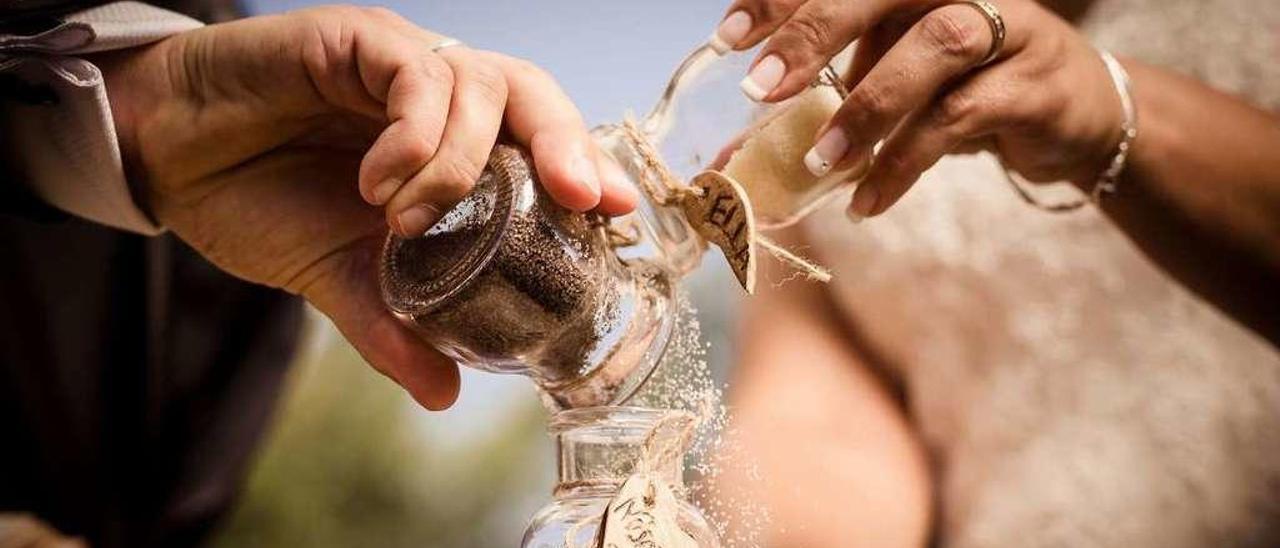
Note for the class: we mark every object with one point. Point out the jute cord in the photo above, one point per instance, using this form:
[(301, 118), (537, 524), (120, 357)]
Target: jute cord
[(667, 190)]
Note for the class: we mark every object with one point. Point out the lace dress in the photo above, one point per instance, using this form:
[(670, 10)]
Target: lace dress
[(1070, 393)]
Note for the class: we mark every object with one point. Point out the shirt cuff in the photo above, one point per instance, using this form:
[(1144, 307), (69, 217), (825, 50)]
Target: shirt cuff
[(61, 137)]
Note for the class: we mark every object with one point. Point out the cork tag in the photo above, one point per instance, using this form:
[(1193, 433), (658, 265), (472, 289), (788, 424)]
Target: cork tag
[(721, 213), (643, 515)]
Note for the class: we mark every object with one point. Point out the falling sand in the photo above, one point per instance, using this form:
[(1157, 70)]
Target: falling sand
[(683, 381)]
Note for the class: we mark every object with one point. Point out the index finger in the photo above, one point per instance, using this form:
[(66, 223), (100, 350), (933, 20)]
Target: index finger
[(570, 166), (811, 35)]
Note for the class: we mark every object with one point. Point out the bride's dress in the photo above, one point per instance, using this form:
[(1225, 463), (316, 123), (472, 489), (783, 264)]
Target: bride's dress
[(1070, 393)]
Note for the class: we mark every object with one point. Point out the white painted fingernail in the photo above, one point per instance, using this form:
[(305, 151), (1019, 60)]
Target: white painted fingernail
[(766, 75), (382, 192), (829, 149), (731, 31), (864, 202)]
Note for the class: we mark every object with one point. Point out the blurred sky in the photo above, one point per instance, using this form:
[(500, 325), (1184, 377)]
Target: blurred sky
[(610, 56)]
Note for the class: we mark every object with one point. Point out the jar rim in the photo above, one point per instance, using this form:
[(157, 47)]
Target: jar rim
[(641, 419)]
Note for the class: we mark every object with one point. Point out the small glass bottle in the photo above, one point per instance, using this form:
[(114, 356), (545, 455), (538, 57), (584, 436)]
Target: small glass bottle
[(598, 449), (703, 121)]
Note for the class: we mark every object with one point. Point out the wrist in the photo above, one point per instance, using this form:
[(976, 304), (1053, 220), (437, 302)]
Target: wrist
[(1121, 136)]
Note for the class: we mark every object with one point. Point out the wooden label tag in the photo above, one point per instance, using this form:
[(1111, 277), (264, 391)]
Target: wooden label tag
[(643, 515), (722, 215)]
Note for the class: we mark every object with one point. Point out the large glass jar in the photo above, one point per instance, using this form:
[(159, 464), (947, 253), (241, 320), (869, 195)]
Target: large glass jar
[(598, 449), (508, 281)]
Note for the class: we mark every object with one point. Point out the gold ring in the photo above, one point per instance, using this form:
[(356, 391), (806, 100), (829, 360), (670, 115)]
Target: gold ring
[(995, 21), (446, 43)]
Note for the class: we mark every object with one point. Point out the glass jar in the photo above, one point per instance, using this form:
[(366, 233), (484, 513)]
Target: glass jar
[(508, 281), (598, 449)]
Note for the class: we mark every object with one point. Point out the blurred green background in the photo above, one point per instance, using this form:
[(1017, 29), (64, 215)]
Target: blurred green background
[(353, 462)]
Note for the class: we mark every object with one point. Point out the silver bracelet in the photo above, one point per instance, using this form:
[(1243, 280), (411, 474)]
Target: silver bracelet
[(1124, 87), (1110, 178)]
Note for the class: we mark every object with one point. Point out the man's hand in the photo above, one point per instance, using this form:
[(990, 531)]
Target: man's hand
[(267, 143)]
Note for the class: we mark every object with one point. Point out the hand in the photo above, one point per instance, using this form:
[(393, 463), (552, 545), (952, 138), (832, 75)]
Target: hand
[(247, 140), (1046, 104)]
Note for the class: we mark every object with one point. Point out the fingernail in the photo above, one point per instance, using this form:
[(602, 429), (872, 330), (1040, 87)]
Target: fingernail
[(864, 202), (617, 178), (585, 172), (766, 75), (416, 220), (382, 192), (829, 149), (731, 31)]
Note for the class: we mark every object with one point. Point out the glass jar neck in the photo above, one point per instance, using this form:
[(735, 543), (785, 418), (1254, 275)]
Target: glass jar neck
[(600, 447), (663, 234)]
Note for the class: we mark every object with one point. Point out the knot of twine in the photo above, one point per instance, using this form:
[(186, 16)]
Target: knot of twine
[(668, 190), (623, 233)]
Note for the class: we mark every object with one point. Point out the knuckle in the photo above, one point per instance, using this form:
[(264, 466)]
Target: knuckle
[(812, 29), (379, 13), (955, 108), (894, 164), (457, 177), (868, 102), (436, 70), (419, 148), (953, 34), (532, 72), (1049, 107), (490, 84), (771, 10), (345, 12)]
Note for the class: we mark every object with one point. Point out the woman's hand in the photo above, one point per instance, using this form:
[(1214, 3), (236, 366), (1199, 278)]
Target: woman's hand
[(282, 147), (1046, 103)]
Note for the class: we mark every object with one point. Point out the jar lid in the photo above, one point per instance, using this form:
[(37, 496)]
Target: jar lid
[(419, 274)]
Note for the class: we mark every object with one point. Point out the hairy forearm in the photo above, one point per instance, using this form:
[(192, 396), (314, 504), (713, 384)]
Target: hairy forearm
[(1202, 194)]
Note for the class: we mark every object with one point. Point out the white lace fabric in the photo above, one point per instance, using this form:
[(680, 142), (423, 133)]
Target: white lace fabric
[(1070, 391)]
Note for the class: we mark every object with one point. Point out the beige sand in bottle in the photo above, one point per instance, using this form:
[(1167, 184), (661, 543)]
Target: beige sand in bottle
[(770, 164)]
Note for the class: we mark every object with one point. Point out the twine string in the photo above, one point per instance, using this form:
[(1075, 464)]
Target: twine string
[(667, 190), (805, 266)]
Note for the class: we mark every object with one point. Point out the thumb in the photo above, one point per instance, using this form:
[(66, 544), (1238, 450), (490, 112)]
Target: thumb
[(345, 289)]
